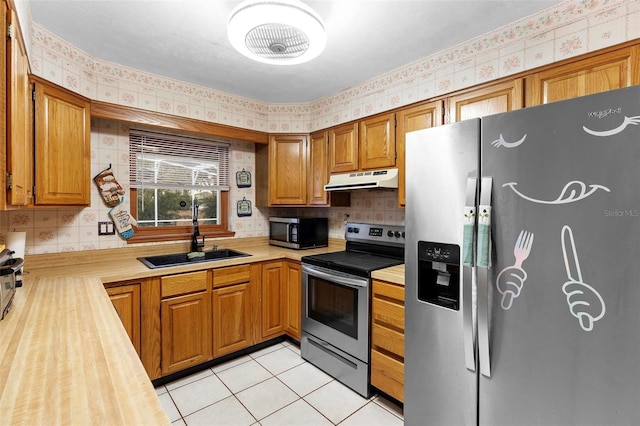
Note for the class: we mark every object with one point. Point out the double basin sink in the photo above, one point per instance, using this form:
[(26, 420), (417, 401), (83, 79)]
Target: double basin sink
[(177, 259)]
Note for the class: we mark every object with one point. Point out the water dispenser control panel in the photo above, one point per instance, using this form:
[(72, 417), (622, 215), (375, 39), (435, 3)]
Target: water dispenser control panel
[(439, 274)]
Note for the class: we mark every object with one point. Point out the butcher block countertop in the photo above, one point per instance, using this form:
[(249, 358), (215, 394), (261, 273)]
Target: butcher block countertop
[(393, 274), (65, 357)]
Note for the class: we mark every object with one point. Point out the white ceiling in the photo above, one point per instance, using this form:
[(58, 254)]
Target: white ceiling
[(186, 40)]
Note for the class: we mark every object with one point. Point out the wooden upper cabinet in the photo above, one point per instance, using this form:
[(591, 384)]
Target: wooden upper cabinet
[(343, 148), (599, 73), (501, 97), (409, 120), (318, 169), (377, 144), (288, 169), (19, 123), (62, 147)]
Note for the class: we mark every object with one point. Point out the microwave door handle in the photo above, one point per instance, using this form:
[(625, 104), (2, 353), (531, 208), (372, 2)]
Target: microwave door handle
[(468, 262), (327, 276)]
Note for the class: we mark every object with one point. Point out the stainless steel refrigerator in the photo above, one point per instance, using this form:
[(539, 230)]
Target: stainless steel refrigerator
[(523, 267)]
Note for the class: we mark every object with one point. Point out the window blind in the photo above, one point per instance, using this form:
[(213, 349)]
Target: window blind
[(158, 160)]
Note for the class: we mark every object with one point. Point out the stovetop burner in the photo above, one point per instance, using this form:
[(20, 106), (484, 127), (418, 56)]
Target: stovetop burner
[(369, 247)]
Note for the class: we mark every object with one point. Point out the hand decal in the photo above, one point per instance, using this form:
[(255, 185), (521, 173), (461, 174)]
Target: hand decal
[(511, 279), (585, 303)]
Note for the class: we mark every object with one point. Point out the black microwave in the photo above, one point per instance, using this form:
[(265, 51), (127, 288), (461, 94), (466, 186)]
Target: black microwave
[(299, 232)]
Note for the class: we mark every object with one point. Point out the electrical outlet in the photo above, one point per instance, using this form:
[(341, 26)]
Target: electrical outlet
[(106, 228)]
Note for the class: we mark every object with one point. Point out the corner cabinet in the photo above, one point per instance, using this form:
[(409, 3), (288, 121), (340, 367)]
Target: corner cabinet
[(62, 150), (126, 301)]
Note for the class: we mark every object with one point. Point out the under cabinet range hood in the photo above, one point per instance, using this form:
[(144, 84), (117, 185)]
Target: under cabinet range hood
[(363, 180)]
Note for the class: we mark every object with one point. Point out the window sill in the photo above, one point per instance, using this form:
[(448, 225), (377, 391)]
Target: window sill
[(157, 237)]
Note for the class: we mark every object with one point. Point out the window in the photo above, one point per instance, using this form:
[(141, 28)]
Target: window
[(168, 172)]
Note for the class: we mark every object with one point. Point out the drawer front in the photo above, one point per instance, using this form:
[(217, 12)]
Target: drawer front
[(388, 291), (183, 283), (232, 275), (388, 314), (387, 339), (387, 374)]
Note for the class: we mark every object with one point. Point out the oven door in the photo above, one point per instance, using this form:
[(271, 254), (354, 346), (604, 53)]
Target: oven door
[(335, 308)]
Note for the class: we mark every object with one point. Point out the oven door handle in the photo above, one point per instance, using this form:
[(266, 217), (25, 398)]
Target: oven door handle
[(336, 278)]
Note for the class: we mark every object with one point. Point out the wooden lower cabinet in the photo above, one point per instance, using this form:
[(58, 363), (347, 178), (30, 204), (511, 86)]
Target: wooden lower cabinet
[(185, 322), (126, 301), (387, 338), (293, 303), (272, 296), (232, 306)]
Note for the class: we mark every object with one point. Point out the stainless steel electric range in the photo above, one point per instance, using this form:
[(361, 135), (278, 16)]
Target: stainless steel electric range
[(336, 301)]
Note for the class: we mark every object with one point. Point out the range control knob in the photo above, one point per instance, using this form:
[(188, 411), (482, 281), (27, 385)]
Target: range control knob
[(397, 234), (356, 230), (349, 229), (389, 233), (402, 234)]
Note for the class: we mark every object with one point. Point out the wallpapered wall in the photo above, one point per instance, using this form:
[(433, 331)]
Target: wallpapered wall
[(568, 29)]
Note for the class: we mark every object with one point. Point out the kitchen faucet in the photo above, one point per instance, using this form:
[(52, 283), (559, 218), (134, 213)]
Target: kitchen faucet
[(195, 244)]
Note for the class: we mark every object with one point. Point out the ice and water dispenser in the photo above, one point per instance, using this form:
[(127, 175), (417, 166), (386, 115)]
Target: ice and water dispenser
[(439, 274)]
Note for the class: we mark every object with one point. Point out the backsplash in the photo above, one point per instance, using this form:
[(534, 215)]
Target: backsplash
[(76, 229)]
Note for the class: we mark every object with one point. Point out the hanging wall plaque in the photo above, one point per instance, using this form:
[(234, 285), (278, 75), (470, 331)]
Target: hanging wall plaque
[(244, 207), (243, 179)]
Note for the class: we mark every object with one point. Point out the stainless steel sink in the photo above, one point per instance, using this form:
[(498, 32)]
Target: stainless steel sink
[(177, 259)]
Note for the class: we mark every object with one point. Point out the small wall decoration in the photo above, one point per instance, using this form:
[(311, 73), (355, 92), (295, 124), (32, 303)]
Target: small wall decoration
[(113, 196), (244, 207), (243, 179)]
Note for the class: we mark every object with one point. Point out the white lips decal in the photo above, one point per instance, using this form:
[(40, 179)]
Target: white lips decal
[(627, 121), (572, 192)]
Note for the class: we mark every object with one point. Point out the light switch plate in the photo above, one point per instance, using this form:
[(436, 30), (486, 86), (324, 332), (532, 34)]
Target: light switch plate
[(106, 228)]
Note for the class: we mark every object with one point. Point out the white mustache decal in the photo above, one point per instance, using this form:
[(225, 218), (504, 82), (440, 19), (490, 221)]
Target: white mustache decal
[(501, 142), (572, 192), (627, 122)]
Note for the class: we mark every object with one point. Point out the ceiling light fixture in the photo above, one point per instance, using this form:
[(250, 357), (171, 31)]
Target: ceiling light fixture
[(280, 32)]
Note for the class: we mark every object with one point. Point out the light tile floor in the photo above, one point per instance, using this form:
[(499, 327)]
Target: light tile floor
[(271, 387)]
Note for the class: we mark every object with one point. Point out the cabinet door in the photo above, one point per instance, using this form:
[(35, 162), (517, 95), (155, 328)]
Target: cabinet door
[(377, 146), (232, 329), (343, 148), (126, 301), (409, 120), (600, 73), (62, 147), (500, 97), (186, 331), (288, 169), (272, 297), (19, 140), (293, 295), (318, 169)]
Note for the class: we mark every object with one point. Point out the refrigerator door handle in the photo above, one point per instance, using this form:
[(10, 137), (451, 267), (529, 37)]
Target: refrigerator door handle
[(484, 263), (468, 261)]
